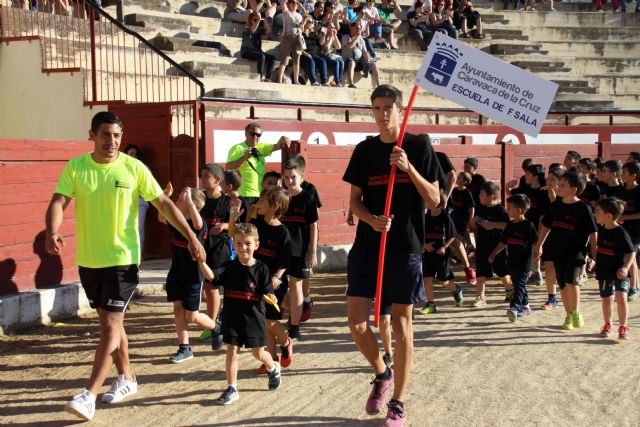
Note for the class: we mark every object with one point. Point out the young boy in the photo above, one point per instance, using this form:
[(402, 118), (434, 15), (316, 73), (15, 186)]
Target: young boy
[(630, 219), (571, 160), (462, 208), (572, 226), (274, 251), (246, 281), (591, 193), (553, 179), (612, 187), (490, 220), (438, 237), (614, 258), (471, 167), (519, 238), (184, 280), (272, 178), (301, 219), (402, 287), (230, 185)]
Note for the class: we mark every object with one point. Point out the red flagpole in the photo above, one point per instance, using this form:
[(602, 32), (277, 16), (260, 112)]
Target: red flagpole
[(387, 208)]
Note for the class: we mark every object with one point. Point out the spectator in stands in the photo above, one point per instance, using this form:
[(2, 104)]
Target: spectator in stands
[(251, 47), (364, 25), (354, 52), (419, 25), (329, 44), (249, 158), (349, 15), (292, 43), (442, 19), (317, 14), (310, 59), (237, 11), (516, 4), (256, 5), (329, 16), (468, 18), (389, 25), (374, 20)]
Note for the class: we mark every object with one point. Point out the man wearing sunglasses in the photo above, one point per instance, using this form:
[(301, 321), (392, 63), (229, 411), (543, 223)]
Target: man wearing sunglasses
[(249, 158)]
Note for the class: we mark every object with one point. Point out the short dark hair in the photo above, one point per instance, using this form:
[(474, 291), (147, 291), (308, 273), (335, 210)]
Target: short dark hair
[(598, 161), (233, 178), (252, 126), (520, 201), (466, 177), (635, 155), (133, 147), (387, 91), (293, 164), (556, 165), (575, 180), (272, 174), (536, 170), (215, 169), (526, 163), (632, 167), (573, 155), (276, 196), (614, 166), (299, 159), (105, 117), (557, 172), (490, 188), (471, 161), (587, 163), (613, 206)]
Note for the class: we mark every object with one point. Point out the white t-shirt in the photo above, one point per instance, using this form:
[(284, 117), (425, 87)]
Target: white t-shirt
[(290, 21)]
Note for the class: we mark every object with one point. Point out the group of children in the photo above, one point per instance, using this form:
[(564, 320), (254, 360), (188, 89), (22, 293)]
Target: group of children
[(259, 254), (582, 218)]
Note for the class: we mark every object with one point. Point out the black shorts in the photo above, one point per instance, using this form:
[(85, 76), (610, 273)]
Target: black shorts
[(189, 293), (461, 226), (109, 288), (434, 265), (567, 273), (486, 269), (386, 309), (270, 312), (218, 250), (298, 268), (607, 287), (547, 251), (246, 342), (402, 279)]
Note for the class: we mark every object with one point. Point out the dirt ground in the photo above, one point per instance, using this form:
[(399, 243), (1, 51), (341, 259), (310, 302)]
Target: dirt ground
[(472, 367)]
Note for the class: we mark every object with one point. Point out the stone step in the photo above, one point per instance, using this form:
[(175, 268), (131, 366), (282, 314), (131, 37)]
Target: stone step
[(579, 48), (173, 44), (538, 64), (580, 105), (514, 49), (169, 22), (582, 34), (579, 20), (238, 71)]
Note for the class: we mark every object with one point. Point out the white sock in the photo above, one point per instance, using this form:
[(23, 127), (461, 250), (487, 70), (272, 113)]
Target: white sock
[(235, 386), (307, 299)]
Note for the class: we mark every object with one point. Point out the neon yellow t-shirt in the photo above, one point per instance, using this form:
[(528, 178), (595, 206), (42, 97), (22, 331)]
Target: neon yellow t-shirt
[(106, 200), (251, 176)]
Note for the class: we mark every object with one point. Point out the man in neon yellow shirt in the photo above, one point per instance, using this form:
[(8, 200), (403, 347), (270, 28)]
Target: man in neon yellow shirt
[(106, 185), (249, 158)]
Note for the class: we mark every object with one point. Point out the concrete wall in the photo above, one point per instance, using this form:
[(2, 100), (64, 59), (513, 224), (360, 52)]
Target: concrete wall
[(37, 105)]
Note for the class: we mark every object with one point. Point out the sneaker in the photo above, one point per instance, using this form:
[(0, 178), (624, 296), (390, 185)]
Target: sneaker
[(536, 278), (479, 301), (578, 320), (205, 335), (429, 308), (623, 333), (388, 360), (307, 309), (263, 368), (550, 304), (512, 314), (582, 281), (287, 354), (458, 297), (120, 388), (395, 414), (275, 377), (508, 295), (526, 310), (568, 323), (182, 355), (228, 396), (378, 395), (82, 405), (471, 276), (217, 341), (606, 331), (294, 333), (633, 295)]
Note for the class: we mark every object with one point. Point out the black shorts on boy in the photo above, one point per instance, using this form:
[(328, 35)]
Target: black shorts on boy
[(435, 265), (109, 288)]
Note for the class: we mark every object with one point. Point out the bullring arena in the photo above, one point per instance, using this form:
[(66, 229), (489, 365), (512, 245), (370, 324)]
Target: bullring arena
[(174, 72)]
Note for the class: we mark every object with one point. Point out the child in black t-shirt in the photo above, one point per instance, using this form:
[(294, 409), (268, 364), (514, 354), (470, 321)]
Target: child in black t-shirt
[(572, 226), (490, 221), (246, 281), (439, 234), (301, 219), (591, 193), (615, 255), (462, 206), (630, 219), (274, 251), (553, 179), (519, 238), (184, 280), (230, 185), (612, 187), (471, 167)]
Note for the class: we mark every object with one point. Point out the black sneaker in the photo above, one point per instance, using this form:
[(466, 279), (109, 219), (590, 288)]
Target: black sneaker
[(275, 377), (388, 360), (228, 396), (216, 341), (182, 355), (294, 333)]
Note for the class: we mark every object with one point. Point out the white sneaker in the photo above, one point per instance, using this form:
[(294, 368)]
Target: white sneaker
[(120, 388), (82, 405)]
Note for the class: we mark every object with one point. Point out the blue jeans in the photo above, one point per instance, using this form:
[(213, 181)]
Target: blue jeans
[(376, 29), (369, 46), (337, 65), (520, 296), (310, 65), (516, 4)]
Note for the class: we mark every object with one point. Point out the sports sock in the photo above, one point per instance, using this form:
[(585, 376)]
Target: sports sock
[(235, 386), (385, 375), (183, 347), (552, 296), (307, 299)]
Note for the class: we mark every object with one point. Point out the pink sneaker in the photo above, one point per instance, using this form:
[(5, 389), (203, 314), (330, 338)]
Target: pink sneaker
[(395, 414), (378, 395)]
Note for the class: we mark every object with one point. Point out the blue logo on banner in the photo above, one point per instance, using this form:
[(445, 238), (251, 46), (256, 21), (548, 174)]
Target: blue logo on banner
[(442, 64)]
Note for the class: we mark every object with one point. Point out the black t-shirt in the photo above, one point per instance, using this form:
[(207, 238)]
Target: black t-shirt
[(632, 226), (314, 192), (570, 225), (183, 268), (214, 212), (244, 312), (474, 186), (591, 193), (487, 240), (275, 245), (301, 214), (607, 191), (613, 245), (520, 237), (438, 229), (446, 166), (369, 170), (539, 199), (460, 202)]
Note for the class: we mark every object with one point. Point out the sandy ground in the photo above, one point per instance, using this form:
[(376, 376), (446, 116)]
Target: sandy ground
[(472, 367)]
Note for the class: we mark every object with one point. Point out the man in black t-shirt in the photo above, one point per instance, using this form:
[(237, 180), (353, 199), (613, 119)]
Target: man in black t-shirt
[(416, 185)]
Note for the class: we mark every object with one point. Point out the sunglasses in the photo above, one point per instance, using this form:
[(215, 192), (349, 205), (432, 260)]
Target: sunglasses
[(258, 134), (255, 19)]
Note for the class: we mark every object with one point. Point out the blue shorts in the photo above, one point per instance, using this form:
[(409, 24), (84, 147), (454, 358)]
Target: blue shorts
[(608, 286), (402, 279)]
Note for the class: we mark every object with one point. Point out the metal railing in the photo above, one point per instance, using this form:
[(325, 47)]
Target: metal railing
[(117, 63)]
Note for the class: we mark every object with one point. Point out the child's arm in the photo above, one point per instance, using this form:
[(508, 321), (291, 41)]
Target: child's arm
[(623, 271), (493, 225), (161, 218), (194, 215), (630, 217), (496, 251), (234, 212), (593, 243), (206, 271), (543, 232), (441, 250), (312, 260), (472, 212)]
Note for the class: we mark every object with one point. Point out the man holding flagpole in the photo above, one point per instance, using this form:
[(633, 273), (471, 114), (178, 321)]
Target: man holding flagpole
[(416, 182)]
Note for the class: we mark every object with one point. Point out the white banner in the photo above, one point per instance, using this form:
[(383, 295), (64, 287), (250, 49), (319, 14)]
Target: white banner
[(486, 84)]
